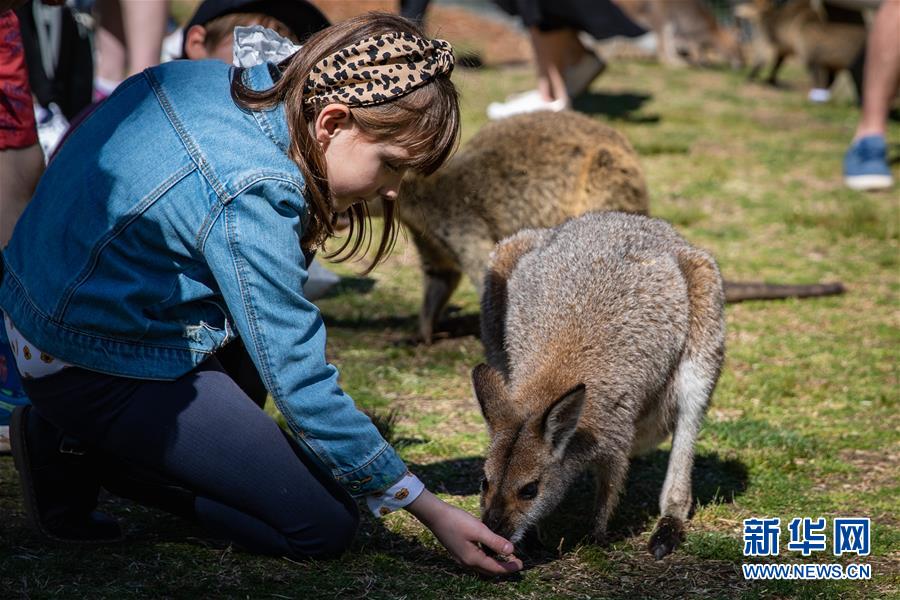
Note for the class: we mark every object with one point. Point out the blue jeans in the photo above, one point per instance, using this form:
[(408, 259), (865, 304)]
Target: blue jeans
[(246, 480)]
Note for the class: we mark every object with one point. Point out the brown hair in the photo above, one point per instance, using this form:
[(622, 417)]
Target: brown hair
[(425, 121), (221, 27)]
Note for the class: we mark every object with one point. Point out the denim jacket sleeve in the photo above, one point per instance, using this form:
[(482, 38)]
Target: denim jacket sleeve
[(253, 250)]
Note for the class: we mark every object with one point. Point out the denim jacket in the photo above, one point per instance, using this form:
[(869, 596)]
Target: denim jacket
[(170, 222)]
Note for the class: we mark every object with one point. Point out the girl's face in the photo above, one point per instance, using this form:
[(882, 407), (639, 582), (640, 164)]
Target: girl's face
[(359, 168)]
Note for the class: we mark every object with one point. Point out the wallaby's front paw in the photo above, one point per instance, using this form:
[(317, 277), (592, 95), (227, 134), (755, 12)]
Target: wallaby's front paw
[(668, 535)]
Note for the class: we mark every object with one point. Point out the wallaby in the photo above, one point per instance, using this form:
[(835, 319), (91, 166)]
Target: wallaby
[(602, 335), (687, 32), (534, 170), (531, 170), (796, 28)]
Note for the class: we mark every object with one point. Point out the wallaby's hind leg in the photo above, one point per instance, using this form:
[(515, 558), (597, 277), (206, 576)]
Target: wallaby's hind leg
[(690, 390), (609, 477)]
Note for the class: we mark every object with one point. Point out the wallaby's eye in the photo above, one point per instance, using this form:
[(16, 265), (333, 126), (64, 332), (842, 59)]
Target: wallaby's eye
[(484, 484), (529, 491)]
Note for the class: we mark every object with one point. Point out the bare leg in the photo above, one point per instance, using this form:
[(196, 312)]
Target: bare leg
[(20, 169), (554, 51), (129, 36), (110, 41), (882, 70), (144, 22)]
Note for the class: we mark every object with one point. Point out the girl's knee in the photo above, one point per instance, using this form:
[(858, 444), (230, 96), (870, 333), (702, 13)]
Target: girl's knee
[(341, 535), (332, 536)]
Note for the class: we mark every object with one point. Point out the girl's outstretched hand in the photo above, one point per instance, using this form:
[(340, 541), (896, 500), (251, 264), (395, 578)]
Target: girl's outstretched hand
[(461, 533)]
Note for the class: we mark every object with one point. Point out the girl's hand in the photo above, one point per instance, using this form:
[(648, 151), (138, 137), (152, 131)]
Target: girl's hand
[(460, 533)]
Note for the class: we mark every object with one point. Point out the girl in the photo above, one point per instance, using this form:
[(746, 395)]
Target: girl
[(180, 215)]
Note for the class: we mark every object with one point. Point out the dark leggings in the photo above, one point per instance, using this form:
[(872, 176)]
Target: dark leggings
[(246, 480)]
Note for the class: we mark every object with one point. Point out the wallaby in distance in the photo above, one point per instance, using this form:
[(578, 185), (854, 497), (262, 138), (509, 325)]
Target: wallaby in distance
[(602, 336), (687, 32), (796, 28), (528, 171)]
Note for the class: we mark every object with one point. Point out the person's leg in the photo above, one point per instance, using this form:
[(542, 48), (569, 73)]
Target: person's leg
[(201, 433), (145, 26), (21, 158), (109, 40), (20, 170), (21, 166), (414, 10), (881, 72), (865, 163), (552, 51)]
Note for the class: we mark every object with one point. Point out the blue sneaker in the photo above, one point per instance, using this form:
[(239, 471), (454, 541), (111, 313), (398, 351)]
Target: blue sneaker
[(865, 165)]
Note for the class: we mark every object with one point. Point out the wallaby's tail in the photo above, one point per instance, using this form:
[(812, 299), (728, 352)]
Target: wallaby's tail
[(738, 291)]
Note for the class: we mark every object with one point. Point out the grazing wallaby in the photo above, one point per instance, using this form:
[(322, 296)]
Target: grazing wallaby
[(687, 32), (602, 336), (531, 170), (534, 170), (796, 28)]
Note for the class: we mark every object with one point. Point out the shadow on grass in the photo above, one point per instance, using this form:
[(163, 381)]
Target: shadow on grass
[(356, 285), (715, 480), (893, 153), (453, 325), (458, 476), (618, 107)]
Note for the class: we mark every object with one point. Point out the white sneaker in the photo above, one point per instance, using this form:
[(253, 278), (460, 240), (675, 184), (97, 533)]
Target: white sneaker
[(4, 439), (579, 76), (51, 127), (819, 95), (525, 102)]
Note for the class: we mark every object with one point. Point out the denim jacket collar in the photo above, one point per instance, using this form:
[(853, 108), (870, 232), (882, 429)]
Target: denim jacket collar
[(272, 121)]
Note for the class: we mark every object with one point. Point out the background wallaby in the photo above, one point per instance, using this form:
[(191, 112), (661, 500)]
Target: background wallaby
[(534, 170), (687, 32), (797, 28), (602, 335)]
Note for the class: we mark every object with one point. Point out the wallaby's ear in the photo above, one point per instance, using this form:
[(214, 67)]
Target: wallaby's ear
[(561, 419), (490, 389)]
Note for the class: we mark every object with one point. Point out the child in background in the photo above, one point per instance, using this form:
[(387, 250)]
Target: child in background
[(209, 33), (180, 215)]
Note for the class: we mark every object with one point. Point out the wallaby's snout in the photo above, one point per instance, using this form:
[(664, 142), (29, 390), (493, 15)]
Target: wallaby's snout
[(497, 522), (508, 506)]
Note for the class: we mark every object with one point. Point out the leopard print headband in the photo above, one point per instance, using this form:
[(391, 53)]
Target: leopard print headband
[(377, 69)]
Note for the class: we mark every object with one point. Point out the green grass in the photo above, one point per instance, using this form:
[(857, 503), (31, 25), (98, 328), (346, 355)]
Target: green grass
[(804, 422)]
